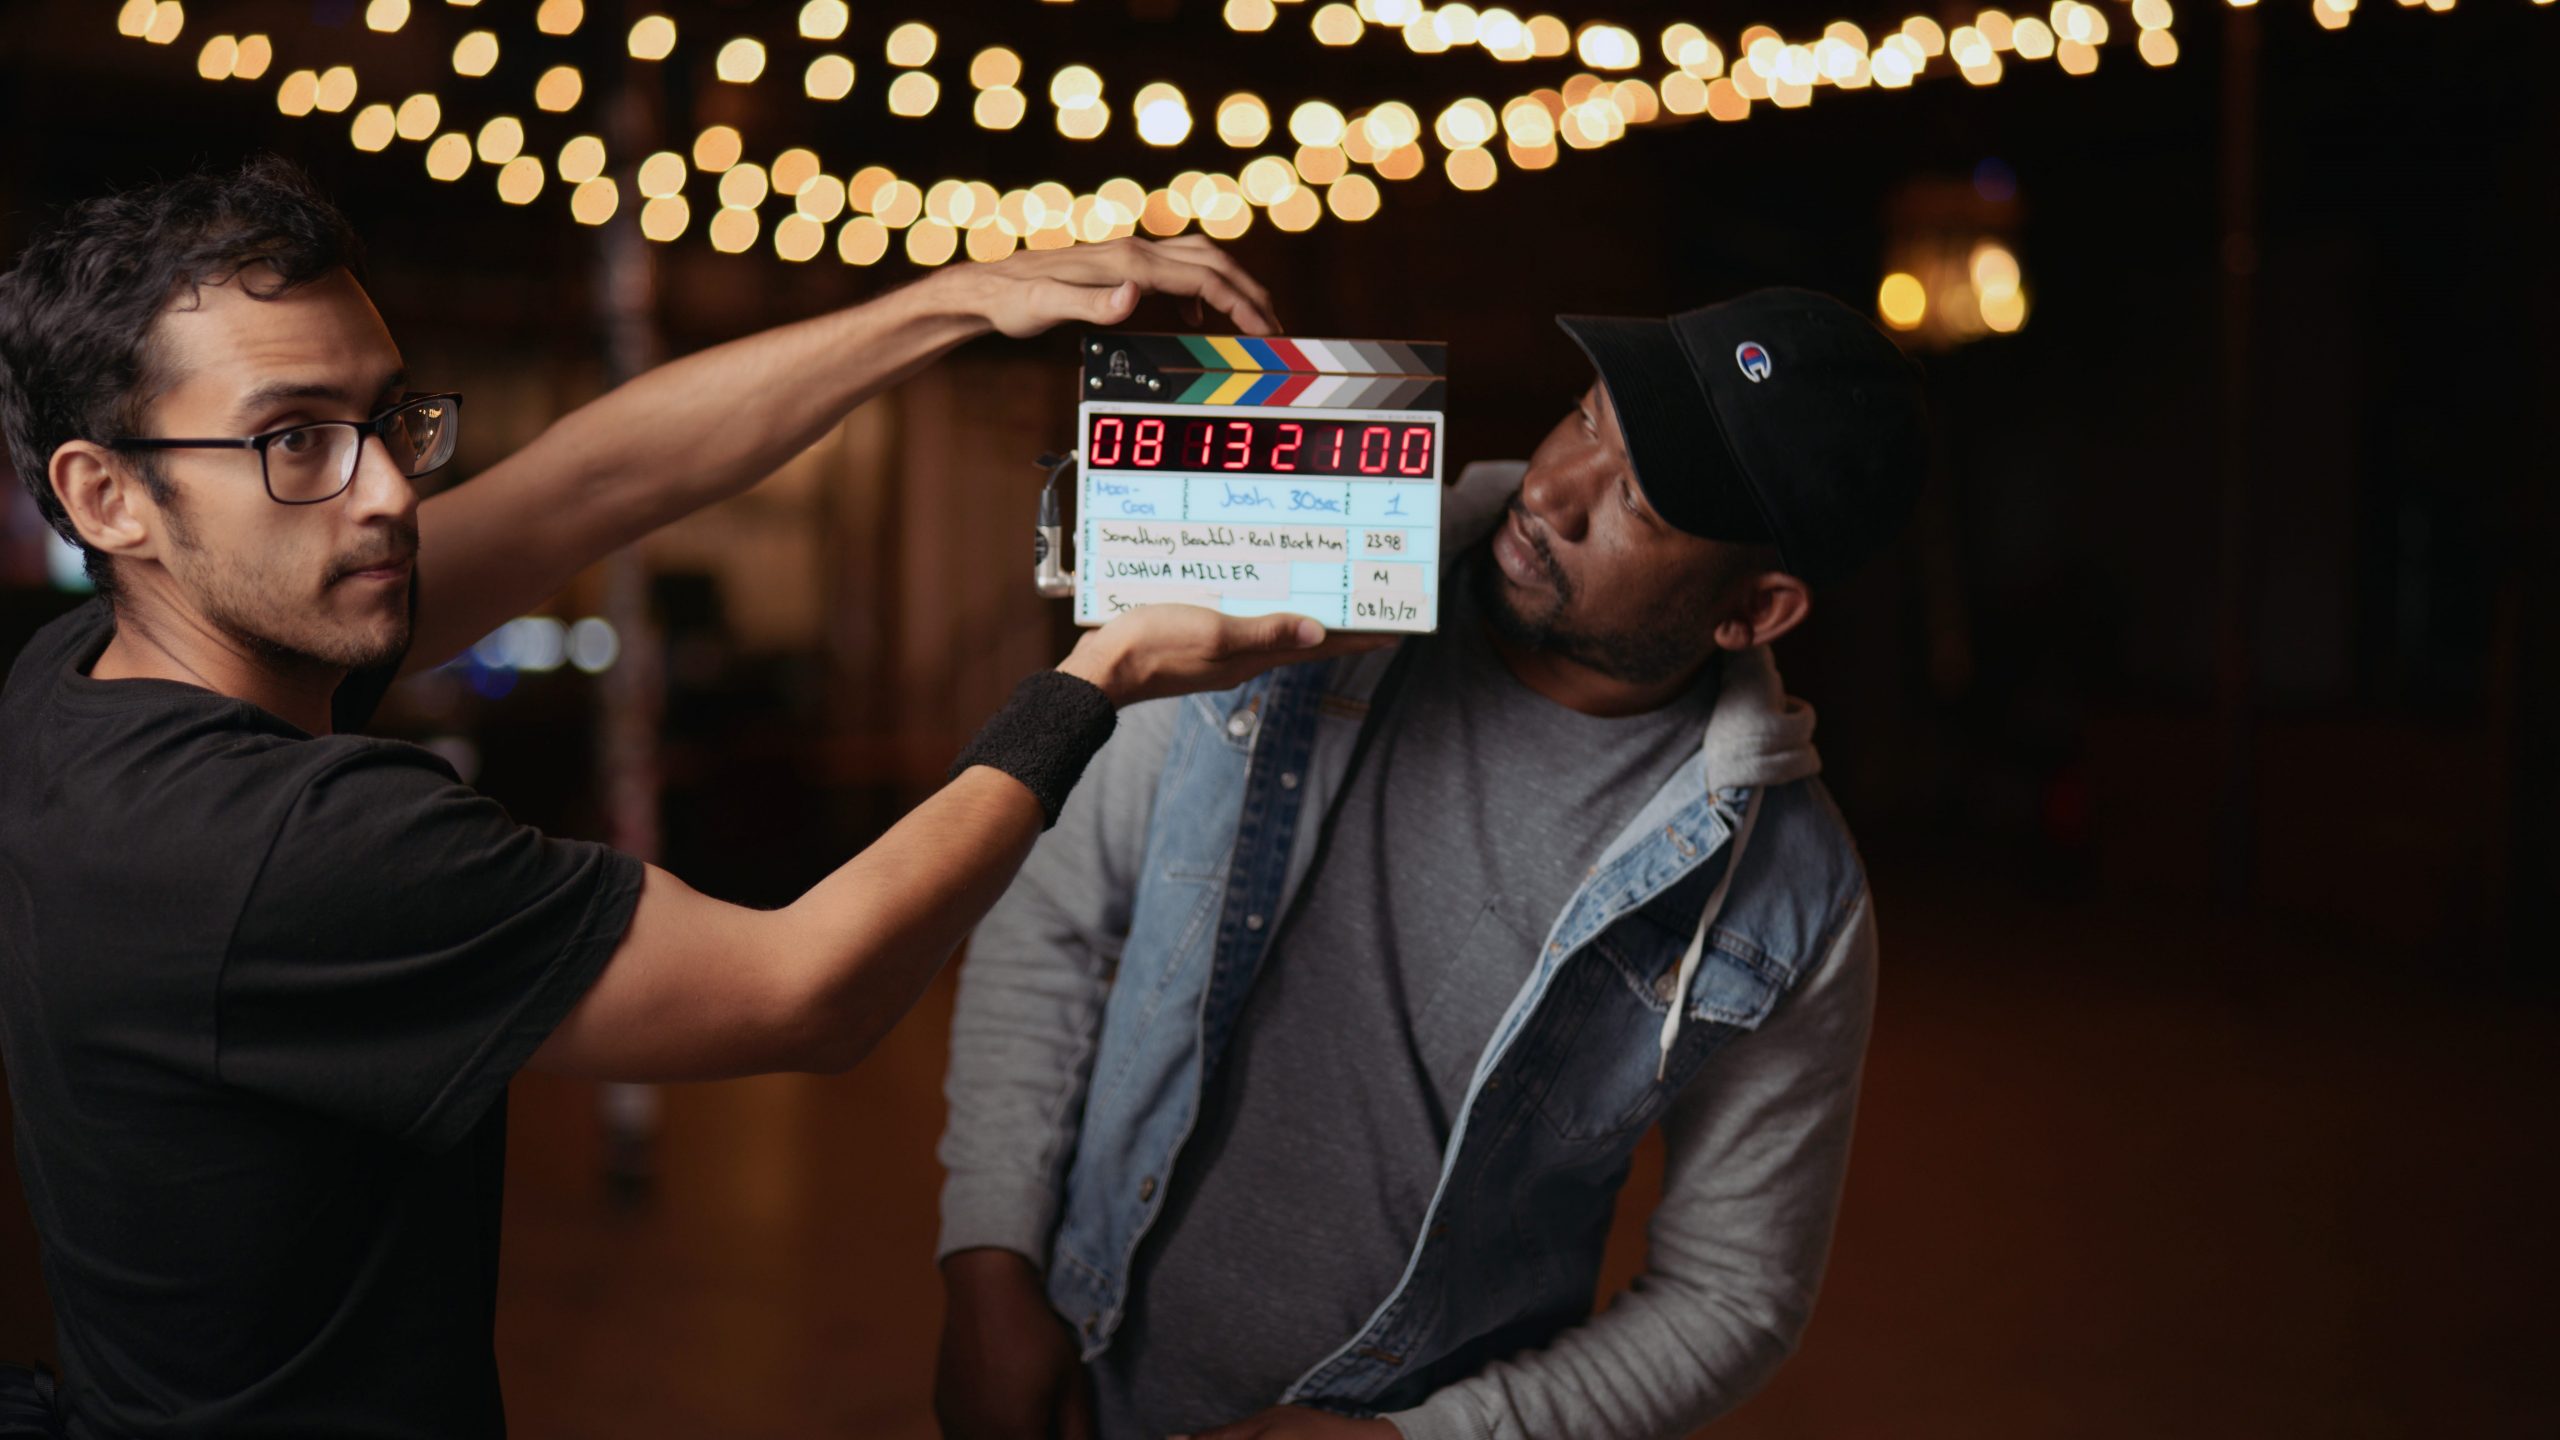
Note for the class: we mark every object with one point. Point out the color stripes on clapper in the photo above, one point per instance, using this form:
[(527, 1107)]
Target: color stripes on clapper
[(1271, 370)]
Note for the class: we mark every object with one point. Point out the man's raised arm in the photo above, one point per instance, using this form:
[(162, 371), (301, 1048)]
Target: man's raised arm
[(710, 425), (701, 990)]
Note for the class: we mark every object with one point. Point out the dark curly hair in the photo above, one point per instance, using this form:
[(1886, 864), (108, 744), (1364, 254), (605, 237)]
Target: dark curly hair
[(76, 312)]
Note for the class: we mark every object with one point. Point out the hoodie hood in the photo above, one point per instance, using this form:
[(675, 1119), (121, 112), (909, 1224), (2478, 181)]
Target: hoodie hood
[(1757, 735)]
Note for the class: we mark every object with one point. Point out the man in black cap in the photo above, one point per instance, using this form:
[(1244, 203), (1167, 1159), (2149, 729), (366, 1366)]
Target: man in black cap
[(1294, 1081)]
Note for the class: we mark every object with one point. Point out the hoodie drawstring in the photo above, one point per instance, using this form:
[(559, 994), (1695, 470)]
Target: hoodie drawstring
[(1697, 950)]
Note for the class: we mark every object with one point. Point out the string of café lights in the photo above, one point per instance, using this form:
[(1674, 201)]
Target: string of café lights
[(952, 216)]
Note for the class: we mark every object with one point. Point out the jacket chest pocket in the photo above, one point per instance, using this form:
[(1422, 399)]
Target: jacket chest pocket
[(1607, 1009)]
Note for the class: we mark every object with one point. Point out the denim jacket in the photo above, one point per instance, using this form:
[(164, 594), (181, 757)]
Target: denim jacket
[(1575, 1073)]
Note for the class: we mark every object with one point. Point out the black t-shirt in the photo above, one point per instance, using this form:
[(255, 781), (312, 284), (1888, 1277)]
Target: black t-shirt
[(260, 997)]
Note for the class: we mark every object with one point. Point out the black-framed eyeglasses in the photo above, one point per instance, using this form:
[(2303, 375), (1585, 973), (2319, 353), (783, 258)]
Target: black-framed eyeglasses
[(307, 464)]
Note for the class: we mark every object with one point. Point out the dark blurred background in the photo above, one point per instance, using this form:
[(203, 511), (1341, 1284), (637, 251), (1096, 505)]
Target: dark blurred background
[(2199, 733)]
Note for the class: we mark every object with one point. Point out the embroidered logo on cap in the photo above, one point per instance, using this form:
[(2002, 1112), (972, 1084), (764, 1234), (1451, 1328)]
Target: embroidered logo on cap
[(1753, 360)]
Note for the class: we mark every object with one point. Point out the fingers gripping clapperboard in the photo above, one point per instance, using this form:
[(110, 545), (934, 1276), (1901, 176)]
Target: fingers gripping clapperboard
[(1253, 475)]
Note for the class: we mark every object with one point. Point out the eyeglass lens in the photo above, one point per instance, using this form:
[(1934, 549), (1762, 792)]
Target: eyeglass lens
[(315, 462)]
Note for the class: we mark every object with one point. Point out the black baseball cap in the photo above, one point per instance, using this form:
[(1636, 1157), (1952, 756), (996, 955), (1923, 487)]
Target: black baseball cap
[(1780, 416)]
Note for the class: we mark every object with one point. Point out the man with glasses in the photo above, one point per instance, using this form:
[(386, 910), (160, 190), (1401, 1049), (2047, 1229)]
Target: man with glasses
[(263, 983)]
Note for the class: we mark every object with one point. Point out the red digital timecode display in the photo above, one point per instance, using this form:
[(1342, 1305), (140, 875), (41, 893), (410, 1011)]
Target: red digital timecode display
[(1265, 445)]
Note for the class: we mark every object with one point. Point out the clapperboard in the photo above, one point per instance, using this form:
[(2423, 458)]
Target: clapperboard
[(1256, 474)]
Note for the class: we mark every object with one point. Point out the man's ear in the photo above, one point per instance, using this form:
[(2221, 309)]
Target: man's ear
[(1773, 602), (108, 503)]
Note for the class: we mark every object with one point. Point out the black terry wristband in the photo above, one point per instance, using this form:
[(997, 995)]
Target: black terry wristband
[(1044, 736)]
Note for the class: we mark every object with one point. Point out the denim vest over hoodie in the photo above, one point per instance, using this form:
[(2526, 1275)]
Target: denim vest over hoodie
[(1509, 1251)]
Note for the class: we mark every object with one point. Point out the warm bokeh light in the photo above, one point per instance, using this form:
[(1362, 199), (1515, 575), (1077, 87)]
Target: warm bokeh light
[(994, 66), (1465, 125), (520, 180), (256, 54), (1353, 197), (337, 89), (1688, 47), (595, 200), (1074, 86), (931, 242), (794, 168), (1608, 47), (912, 44), (862, 241), (862, 188), (1321, 164), (374, 128), (2004, 312), (476, 54), (218, 58), (1250, 16), (501, 140), (560, 17), (1127, 197), (418, 117), (1527, 124), (798, 238), (133, 21), (821, 199), (1268, 180), (1402, 163), (899, 204), (1902, 301), (1243, 120), (999, 107), (717, 148), (1529, 158), (1992, 268), (1471, 169), (1317, 123), (829, 77), (1230, 226), (449, 156), (1391, 126), (744, 186), (665, 218), (559, 88), (1299, 212), (1336, 25), (653, 37), (824, 19), (734, 231), (168, 18), (913, 93), (582, 159), (1084, 122), (740, 61), (1159, 217), (1164, 118), (386, 15), (662, 175)]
